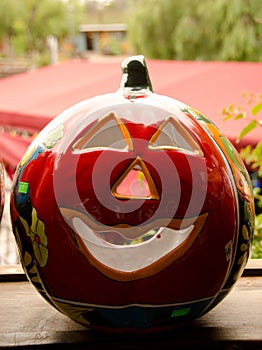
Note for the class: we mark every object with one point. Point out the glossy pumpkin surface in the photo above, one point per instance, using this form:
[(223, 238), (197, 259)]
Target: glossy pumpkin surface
[(131, 211)]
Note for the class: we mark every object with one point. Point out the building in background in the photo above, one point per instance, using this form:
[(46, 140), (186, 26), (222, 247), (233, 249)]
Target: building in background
[(107, 39)]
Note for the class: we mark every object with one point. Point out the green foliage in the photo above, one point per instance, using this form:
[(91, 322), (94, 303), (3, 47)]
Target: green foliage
[(110, 11), (164, 29), (256, 251), (25, 24), (8, 16), (251, 156), (197, 30)]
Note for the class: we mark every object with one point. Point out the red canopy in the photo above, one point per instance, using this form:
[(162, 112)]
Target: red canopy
[(30, 100)]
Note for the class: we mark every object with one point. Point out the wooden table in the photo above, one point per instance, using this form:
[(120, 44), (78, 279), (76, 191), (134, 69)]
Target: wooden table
[(27, 320)]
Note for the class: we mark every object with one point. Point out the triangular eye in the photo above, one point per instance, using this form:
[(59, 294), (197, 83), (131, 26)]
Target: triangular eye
[(172, 135), (107, 133)]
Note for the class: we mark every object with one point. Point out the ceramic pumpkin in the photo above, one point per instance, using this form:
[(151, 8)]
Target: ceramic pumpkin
[(131, 211)]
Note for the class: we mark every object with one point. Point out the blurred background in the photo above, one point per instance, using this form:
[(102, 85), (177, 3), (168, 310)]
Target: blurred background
[(35, 33)]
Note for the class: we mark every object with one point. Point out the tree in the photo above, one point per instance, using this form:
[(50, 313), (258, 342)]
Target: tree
[(26, 24), (152, 26), (108, 11), (8, 18), (190, 29), (42, 18)]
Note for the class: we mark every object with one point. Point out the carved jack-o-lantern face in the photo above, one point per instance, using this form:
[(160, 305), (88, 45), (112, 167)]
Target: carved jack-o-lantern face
[(131, 211), (128, 179)]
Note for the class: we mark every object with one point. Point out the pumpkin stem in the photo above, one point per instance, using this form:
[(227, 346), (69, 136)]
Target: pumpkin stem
[(135, 79)]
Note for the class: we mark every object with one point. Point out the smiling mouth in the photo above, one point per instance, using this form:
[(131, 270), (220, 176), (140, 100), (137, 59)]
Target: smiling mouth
[(124, 253)]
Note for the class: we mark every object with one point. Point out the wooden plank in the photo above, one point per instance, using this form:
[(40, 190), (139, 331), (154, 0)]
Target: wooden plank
[(12, 273), (253, 268), (26, 319)]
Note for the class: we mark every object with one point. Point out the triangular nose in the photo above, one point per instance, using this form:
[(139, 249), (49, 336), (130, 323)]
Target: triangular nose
[(135, 183)]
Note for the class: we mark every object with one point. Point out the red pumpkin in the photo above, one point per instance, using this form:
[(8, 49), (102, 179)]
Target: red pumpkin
[(131, 211)]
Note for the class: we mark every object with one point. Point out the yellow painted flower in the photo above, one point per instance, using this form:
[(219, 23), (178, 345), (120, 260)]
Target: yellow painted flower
[(38, 237)]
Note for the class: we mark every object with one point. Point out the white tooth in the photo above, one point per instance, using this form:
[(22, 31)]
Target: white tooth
[(86, 233), (128, 258)]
